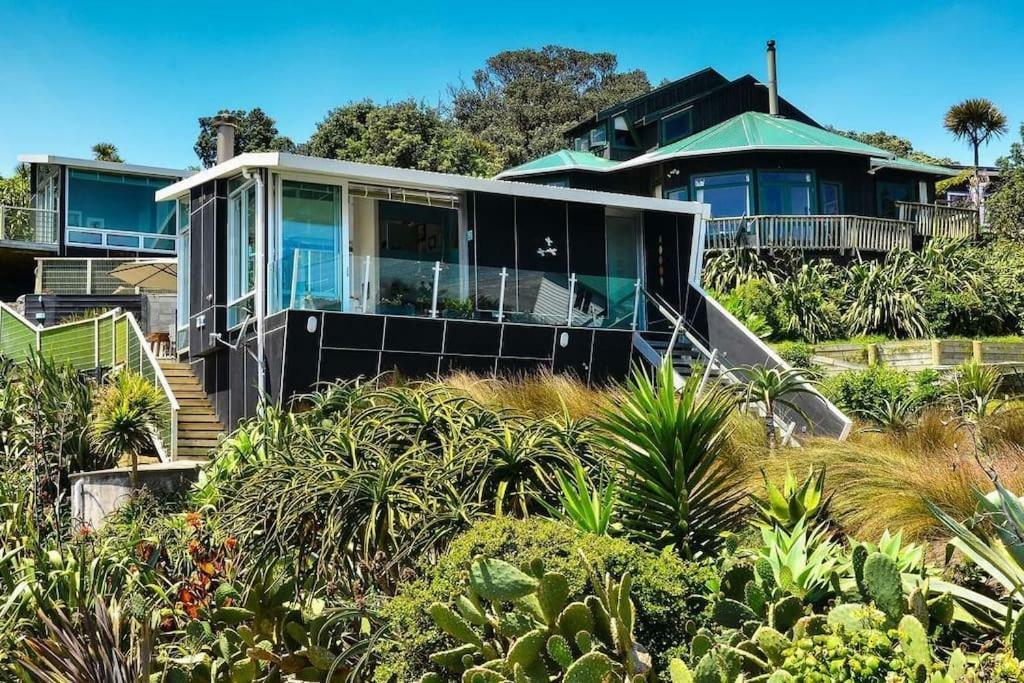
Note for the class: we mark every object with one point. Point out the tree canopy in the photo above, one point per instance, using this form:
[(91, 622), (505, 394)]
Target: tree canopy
[(977, 121), (257, 132), (1005, 207), (106, 151), (901, 147), (522, 101), (14, 190), (405, 134)]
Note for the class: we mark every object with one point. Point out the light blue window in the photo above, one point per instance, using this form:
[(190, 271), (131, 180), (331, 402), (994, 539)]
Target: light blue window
[(729, 194), (241, 252), (599, 136), (118, 201), (676, 126), (184, 259), (311, 255), (681, 194), (786, 193)]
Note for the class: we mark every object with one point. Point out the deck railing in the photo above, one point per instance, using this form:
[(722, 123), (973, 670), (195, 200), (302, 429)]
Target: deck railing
[(36, 228), (84, 276), (932, 220), (106, 341), (826, 233)]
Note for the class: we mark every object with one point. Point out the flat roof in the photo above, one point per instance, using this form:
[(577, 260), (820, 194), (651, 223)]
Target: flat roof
[(414, 179), (112, 166)]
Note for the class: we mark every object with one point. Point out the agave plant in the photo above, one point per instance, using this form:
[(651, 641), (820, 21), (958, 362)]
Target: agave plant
[(804, 561), (971, 388), (794, 502), (674, 491), (894, 416)]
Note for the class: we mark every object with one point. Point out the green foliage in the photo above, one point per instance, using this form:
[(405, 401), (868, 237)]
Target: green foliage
[(901, 147), (674, 492), (883, 585), (775, 388), (809, 303), (586, 505), (522, 101), (865, 391), (794, 502), (1004, 207), (404, 134), (256, 132), (662, 586), (798, 354), (106, 151), (125, 417), (975, 120), (972, 389)]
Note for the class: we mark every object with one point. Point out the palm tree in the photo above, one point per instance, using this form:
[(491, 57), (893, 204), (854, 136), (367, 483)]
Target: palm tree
[(106, 151), (125, 418), (674, 491), (774, 387), (977, 121)]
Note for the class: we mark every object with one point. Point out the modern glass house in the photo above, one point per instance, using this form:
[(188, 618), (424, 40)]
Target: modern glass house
[(773, 177), (295, 270), (87, 209)]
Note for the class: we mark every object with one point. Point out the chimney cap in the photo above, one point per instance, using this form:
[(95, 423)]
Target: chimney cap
[(771, 44), (225, 119)]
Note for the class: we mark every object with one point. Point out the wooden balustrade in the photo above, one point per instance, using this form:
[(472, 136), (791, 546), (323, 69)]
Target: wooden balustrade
[(824, 233), (932, 220)]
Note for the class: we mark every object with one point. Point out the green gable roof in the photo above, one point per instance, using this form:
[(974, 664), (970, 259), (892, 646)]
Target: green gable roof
[(562, 160), (916, 166)]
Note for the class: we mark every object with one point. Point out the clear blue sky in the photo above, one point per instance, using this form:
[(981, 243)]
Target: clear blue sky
[(140, 73)]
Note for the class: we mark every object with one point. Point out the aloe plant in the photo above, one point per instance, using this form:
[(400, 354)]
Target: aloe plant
[(587, 506), (795, 501)]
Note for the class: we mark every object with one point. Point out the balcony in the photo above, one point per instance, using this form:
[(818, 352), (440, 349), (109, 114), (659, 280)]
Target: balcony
[(28, 228), (842, 233), (78, 276)]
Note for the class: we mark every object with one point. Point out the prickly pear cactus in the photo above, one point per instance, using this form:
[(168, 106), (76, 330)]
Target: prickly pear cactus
[(884, 586)]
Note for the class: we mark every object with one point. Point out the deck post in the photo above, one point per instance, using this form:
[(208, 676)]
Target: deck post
[(636, 303), (977, 351), (501, 294), (366, 282)]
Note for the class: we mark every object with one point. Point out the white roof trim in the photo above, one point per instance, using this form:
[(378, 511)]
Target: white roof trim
[(513, 173), (280, 161), (94, 165), (895, 164), (653, 157)]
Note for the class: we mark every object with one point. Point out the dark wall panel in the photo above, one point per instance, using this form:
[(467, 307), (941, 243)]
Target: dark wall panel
[(521, 366), (527, 341), (493, 224), (574, 357), (541, 235), (301, 352), (348, 364), (354, 331), (586, 239), (472, 338), (411, 365), (413, 334), (663, 274), (480, 365), (611, 356)]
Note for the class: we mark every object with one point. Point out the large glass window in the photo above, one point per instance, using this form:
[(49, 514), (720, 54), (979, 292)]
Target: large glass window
[(831, 198), (184, 259), (241, 252), (623, 134), (104, 206), (786, 193), (681, 194), (599, 136), (729, 194), (890, 193), (311, 256), (676, 126)]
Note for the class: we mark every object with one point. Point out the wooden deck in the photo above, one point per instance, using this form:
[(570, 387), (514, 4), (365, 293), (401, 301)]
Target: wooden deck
[(842, 233)]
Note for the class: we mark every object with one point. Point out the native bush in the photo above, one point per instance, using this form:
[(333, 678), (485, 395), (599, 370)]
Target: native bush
[(666, 590), (798, 354)]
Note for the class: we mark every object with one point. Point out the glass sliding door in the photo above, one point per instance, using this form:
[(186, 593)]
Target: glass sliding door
[(729, 194), (241, 252), (786, 193), (310, 256), (622, 255)]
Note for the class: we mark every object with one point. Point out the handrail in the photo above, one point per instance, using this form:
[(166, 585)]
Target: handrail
[(41, 225), (815, 232)]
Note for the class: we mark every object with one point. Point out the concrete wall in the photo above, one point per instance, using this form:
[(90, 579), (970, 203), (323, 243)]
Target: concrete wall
[(158, 313), (94, 495)]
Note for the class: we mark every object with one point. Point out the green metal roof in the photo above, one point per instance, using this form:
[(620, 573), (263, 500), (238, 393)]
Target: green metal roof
[(754, 130), (916, 166), (562, 160)]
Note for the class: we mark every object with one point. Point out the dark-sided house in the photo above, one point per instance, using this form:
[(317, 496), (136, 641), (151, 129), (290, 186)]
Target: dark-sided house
[(295, 271), (772, 175)]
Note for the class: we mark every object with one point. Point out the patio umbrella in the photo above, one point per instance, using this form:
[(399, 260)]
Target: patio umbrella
[(157, 274)]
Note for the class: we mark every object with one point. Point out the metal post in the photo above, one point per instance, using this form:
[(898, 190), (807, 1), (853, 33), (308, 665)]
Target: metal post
[(636, 304), (88, 276), (708, 371), (366, 283), (501, 294), (3, 222), (96, 341), (572, 298), (433, 299), (675, 337)]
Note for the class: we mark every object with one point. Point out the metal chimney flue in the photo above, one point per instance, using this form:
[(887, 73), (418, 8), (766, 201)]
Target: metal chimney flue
[(773, 81), (225, 125)]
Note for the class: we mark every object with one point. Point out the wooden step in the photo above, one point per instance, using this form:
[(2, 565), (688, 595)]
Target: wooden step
[(207, 444), (198, 419), (215, 433)]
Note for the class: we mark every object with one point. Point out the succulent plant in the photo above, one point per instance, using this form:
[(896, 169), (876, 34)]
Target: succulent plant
[(795, 502), (519, 626)]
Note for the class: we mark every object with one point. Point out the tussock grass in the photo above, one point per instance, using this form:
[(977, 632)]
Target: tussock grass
[(881, 481), (540, 394)]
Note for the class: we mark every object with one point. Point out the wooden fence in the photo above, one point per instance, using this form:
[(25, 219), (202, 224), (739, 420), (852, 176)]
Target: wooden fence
[(932, 220), (918, 355)]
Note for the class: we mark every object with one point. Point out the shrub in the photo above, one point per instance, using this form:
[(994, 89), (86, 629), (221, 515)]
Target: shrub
[(796, 353), (866, 391), (663, 585)]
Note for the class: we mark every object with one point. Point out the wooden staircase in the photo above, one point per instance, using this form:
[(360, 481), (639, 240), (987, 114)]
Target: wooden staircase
[(199, 430)]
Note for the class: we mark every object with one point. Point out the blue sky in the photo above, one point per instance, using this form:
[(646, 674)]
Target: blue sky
[(140, 73)]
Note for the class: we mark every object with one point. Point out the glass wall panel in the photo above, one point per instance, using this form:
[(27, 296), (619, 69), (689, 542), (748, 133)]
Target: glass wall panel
[(184, 261), (311, 256), (729, 194), (241, 252), (622, 248), (109, 201), (676, 126)]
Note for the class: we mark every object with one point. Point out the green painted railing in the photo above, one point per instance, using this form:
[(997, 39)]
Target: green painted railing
[(107, 341)]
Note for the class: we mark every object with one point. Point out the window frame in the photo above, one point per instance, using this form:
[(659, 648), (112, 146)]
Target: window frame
[(635, 139), (840, 196), (750, 184), (234, 256), (664, 140), (811, 184), (183, 312)]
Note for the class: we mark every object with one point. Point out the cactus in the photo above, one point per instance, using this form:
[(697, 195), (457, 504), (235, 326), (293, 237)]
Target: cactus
[(941, 610), (849, 617), (732, 614), (884, 586), (914, 639), (813, 625), (785, 613), (514, 627), (918, 606), (771, 643), (679, 673), (498, 580)]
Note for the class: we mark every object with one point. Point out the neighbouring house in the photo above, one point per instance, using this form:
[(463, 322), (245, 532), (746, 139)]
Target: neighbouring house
[(295, 271), (771, 175), (84, 219)]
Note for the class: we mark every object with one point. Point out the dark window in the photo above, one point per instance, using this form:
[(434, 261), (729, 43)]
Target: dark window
[(623, 134), (676, 126), (786, 193), (890, 193), (681, 194), (831, 198)]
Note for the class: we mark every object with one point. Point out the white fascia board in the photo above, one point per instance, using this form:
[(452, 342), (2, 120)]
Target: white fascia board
[(94, 165), (511, 173), (894, 164), (653, 157), (413, 179)]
